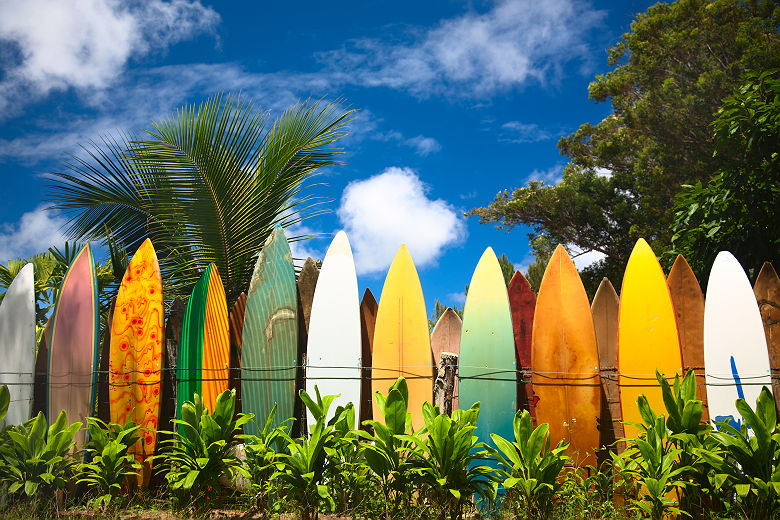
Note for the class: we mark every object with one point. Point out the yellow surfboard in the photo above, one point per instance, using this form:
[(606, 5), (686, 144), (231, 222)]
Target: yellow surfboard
[(135, 355), (565, 360), (401, 341), (647, 335)]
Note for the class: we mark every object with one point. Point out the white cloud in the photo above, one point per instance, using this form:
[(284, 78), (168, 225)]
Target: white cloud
[(384, 211), (86, 44), (603, 172), (35, 232), (550, 176), (517, 132), (476, 54)]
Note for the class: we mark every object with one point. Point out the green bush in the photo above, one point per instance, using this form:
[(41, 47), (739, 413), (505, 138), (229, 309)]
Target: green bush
[(529, 470), (201, 451), (111, 466), (262, 460), (37, 460)]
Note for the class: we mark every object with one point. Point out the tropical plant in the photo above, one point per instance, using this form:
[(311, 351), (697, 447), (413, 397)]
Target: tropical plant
[(388, 450), (200, 451), (749, 464), (528, 469), (651, 461), (110, 466), (448, 462), (37, 460), (262, 459), (347, 475), (302, 469), (207, 185)]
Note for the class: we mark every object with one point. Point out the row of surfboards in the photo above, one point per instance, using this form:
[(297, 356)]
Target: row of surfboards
[(577, 367)]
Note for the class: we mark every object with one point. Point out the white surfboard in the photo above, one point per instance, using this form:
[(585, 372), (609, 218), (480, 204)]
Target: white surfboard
[(17, 345), (736, 359), (333, 351)]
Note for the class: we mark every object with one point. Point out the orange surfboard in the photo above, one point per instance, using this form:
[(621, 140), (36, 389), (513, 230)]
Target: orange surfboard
[(647, 335), (688, 303), (565, 360), (135, 360), (216, 342)]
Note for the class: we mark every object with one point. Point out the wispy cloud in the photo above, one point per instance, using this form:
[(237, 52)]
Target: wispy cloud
[(474, 55), (34, 232), (517, 132), (86, 44), (551, 176), (392, 208)]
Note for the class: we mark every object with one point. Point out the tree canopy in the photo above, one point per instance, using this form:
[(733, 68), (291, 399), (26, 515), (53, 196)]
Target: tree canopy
[(671, 74)]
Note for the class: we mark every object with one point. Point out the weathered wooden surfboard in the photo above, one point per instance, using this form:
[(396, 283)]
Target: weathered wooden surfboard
[(135, 353), (368, 310), (486, 366), (522, 303), (565, 360), (647, 335), (41, 389), (270, 342), (73, 351), (446, 338), (735, 349), (767, 291), (604, 309), (17, 345), (236, 331), (334, 348), (688, 303), (307, 284), (401, 338)]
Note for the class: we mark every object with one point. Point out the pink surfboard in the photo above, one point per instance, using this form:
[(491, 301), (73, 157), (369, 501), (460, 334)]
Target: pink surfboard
[(74, 345)]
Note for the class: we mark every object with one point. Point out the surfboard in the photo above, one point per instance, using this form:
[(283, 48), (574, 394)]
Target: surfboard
[(767, 291), (368, 310), (73, 351), (401, 337), (41, 388), (216, 342), (565, 360), (605, 322), (236, 331), (446, 338), (486, 366), (189, 359), (688, 302), (522, 303), (270, 342), (307, 284), (334, 347), (735, 349), (647, 335), (17, 345), (135, 353)]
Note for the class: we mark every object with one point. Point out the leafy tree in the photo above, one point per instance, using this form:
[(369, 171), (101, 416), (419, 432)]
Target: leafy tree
[(206, 185), (543, 248), (672, 72), (507, 268), (737, 209)]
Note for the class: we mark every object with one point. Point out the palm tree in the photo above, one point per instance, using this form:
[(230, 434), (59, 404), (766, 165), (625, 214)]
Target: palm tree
[(206, 185)]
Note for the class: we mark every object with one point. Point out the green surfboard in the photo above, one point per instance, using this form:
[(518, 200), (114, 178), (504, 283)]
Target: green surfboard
[(269, 353), (190, 357), (487, 352)]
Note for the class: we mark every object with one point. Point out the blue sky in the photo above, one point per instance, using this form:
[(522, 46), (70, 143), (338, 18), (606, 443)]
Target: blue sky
[(457, 101)]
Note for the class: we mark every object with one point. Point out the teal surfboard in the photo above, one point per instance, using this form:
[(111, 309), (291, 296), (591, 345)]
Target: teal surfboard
[(487, 352), (269, 352)]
